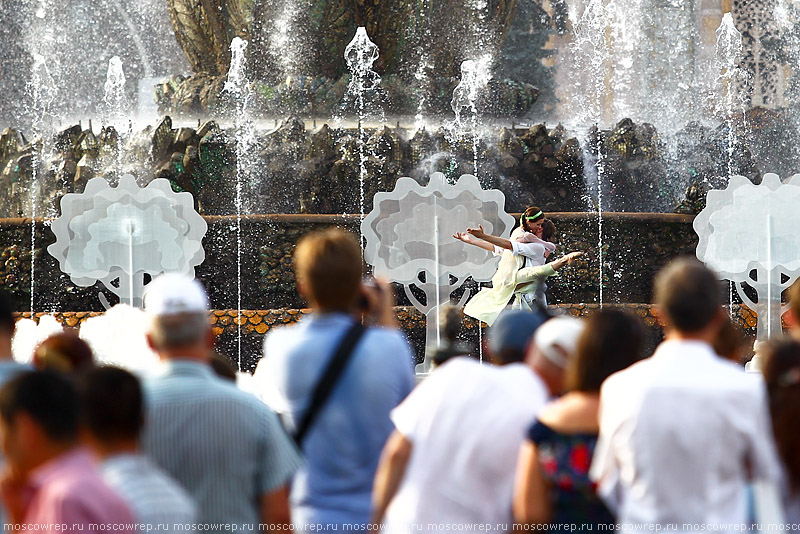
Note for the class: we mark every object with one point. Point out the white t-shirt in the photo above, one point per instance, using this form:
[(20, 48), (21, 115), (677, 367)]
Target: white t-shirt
[(466, 423), (676, 433)]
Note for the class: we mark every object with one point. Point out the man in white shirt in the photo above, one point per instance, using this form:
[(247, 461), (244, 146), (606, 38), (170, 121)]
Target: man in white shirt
[(449, 465), (682, 432)]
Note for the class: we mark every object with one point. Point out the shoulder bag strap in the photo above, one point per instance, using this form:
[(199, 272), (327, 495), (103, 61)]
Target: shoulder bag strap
[(324, 388)]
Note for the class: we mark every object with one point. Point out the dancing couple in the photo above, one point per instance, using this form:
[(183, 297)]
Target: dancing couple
[(522, 270)]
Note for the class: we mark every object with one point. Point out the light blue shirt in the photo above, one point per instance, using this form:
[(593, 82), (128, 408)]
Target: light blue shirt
[(156, 500), (224, 446), (344, 443)]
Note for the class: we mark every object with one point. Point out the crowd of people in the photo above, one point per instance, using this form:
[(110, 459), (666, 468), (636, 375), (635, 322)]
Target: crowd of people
[(566, 424)]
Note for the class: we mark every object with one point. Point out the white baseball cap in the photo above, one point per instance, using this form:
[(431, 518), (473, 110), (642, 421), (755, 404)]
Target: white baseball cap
[(171, 294), (557, 339)]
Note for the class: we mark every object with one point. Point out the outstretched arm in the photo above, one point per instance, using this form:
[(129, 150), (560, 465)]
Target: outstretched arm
[(466, 238), (494, 240)]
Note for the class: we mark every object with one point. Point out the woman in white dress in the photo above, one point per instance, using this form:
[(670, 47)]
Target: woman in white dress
[(522, 269)]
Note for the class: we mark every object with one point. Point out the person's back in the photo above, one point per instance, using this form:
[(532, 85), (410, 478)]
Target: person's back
[(343, 445), (155, 500), (682, 432), (69, 490), (344, 440), (699, 421), (466, 423), (224, 446), (215, 440)]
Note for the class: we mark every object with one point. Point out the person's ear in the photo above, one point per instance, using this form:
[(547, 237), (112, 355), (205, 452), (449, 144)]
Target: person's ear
[(659, 316), (304, 293), (150, 343), (790, 319), (211, 339)]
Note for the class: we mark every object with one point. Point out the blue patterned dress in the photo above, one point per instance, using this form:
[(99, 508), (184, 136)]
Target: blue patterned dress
[(564, 460)]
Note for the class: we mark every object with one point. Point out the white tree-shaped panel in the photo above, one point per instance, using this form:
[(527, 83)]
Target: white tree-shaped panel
[(116, 235)]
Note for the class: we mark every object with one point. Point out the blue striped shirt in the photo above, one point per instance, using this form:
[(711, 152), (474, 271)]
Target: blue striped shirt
[(224, 446), (157, 501)]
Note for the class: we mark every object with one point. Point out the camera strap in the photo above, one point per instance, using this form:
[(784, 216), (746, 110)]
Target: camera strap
[(325, 385)]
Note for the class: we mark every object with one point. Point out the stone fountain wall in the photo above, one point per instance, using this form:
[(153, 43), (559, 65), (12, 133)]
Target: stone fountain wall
[(302, 168)]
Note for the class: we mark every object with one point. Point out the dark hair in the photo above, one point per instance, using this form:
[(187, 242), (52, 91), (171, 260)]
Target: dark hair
[(687, 294), (49, 398), (532, 211), (729, 341), (112, 404), (782, 374), (452, 318), (548, 230), (223, 367), (328, 264), (7, 321), (64, 352), (611, 341)]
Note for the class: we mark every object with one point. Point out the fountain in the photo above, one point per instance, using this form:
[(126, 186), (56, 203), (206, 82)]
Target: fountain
[(282, 117)]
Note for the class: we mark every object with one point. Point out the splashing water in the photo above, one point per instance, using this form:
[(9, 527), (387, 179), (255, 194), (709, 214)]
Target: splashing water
[(119, 337), (238, 87), (591, 56), (42, 89), (364, 91), (475, 76), (115, 100), (28, 334), (732, 101), (421, 76), (285, 39)]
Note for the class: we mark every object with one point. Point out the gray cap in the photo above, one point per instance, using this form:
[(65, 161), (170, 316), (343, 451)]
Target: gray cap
[(557, 339)]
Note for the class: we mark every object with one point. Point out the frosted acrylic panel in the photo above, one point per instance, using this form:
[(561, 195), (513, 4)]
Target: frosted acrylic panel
[(121, 233), (749, 235), (410, 229), (409, 240)]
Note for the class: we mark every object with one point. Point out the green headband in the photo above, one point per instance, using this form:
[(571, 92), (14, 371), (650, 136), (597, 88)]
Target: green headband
[(529, 218)]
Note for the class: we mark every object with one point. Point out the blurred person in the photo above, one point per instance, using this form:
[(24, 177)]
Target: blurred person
[(224, 446), (730, 341), (222, 366), (342, 437), (113, 417), (782, 374), (452, 457), (452, 318), (793, 317), (684, 431), (552, 483), (49, 479), (64, 352), (9, 368)]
